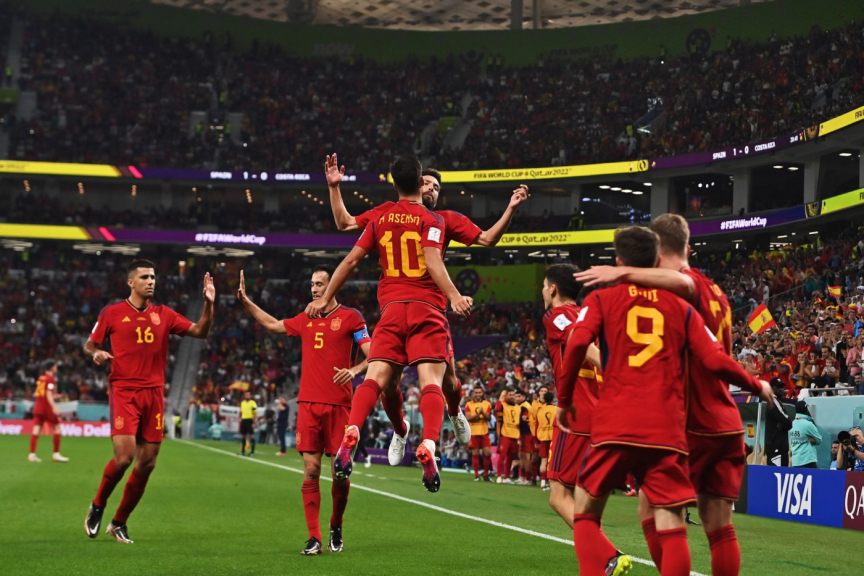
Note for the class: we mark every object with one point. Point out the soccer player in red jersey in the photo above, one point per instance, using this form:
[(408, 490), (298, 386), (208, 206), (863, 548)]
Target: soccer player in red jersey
[(560, 291), (330, 344), (413, 294), (138, 331), (715, 433), (458, 228), (639, 421), (46, 412)]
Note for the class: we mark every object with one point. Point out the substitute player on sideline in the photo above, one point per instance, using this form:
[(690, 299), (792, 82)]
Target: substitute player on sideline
[(479, 414), (715, 433), (329, 344), (545, 422), (412, 294), (45, 411), (458, 228), (639, 421), (139, 332)]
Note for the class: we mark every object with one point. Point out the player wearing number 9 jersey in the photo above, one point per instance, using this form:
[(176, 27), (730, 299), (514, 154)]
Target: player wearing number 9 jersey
[(639, 422), (138, 332)]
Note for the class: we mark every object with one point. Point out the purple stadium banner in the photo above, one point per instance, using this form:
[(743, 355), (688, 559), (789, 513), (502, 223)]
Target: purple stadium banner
[(746, 223), (230, 239), (731, 153), (248, 177)]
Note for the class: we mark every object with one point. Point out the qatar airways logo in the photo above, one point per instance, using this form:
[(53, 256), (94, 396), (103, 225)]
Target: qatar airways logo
[(231, 239), (744, 223)]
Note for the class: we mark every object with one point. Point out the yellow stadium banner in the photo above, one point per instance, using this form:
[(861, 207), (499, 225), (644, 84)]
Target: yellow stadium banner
[(59, 169), (43, 232), (550, 173), (841, 121), (605, 236), (843, 201)]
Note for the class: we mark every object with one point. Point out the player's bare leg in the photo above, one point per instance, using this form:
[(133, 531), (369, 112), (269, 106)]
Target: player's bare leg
[(716, 516), (649, 528), (561, 501), (430, 374), (34, 439), (597, 556), (451, 387)]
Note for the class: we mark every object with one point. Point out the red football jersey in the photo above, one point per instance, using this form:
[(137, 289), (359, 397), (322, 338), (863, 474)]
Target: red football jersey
[(329, 342), (399, 236), (711, 410), (644, 337), (43, 385), (139, 342), (559, 322), (457, 227)]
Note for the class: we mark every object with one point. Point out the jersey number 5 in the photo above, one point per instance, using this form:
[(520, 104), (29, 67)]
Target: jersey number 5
[(653, 340), (319, 340), (386, 241)]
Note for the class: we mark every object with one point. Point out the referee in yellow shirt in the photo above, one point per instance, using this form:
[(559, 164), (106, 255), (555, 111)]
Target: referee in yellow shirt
[(248, 408)]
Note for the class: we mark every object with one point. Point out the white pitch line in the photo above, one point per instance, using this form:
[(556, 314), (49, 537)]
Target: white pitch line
[(418, 503)]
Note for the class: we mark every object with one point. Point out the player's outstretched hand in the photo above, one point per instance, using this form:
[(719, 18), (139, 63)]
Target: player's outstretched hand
[(767, 392), (241, 289), (462, 305), (209, 289), (316, 307), (564, 416), (519, 196), (343, 376), (101, 356), (598, 275), (333, 171)]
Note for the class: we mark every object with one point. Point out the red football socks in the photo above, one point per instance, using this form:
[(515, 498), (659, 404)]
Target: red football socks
[(364, 400), (650, 530), (393, 408), (132, 493), (543, 476), (340, 500), (432, 410), (453, 398), (110, 478), (593, 549), (33, 440), (311, 506), (487, 465), (475, 461), (56, 442), (725, 553), (676, 553)]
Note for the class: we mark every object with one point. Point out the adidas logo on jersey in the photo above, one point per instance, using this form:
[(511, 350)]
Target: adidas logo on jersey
[(126, 319), (309, 325)]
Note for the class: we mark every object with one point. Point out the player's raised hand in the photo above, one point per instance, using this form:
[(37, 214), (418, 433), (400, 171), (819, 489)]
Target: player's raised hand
[(519, 196), (209, 289), (343, 376), (101, 356), (563, 417), (316, 308), (599, 275), (241, 289), (462, 305), (333, 171), (767, 392)]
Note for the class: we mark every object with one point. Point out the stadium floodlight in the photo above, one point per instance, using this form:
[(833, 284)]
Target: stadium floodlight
[(638, 192), (647, 184), (616, 188), (793, 168), (626, 190), (778, 167), (845, 154), (604, 187)]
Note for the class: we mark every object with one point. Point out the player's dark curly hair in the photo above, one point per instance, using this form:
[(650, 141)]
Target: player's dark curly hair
[(561, 276), (406, 172), (637, 246), (325, 268)]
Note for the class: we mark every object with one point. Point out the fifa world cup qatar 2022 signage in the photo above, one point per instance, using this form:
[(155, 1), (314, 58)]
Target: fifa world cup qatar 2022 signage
[(825, 497)]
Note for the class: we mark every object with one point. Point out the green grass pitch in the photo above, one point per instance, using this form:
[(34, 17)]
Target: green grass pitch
[(209, 512)]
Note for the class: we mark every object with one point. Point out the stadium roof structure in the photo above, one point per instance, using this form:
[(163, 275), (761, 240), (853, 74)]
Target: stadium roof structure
[(440, 15)]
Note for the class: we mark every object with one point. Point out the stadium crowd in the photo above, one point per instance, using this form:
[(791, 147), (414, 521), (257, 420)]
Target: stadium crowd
[(522, 116)]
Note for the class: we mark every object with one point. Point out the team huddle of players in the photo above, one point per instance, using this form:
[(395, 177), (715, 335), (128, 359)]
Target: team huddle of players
[(641, 373)]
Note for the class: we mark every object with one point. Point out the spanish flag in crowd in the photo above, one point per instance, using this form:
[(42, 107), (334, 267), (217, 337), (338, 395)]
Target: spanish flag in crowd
[(761, 320), (835, 291)]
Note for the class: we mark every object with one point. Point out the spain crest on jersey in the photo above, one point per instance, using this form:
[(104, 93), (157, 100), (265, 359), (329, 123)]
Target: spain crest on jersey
[(154, 317), (335, 324), (118, 422)]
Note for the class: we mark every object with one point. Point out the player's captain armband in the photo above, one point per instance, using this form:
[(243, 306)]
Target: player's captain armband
[(434, 235), (710, 335), (361, 335), (582, 314), (561, 321)]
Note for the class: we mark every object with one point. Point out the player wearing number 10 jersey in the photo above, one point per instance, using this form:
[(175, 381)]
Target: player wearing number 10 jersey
[(138, 332), (412, 294)]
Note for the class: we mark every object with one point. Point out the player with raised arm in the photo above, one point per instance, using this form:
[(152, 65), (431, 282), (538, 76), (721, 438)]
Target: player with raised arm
[(413, 294), (138, 331), (639, 421), (715, 433), (479, 414), (458, 228), (45, 411), (330, 344), (566, 450)]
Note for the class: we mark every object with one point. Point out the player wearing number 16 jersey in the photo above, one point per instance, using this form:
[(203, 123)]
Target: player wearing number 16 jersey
[(138, 331), (413, 294)]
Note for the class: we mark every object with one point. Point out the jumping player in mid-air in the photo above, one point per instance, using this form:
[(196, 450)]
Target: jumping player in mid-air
[(138, 331)]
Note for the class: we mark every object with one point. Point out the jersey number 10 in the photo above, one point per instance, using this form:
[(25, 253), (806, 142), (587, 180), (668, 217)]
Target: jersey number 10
[(387, 242)]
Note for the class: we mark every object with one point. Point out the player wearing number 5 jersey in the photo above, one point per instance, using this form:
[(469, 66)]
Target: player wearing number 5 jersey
[(457, 228), (138, 332), (330, 347), (412, 294)]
